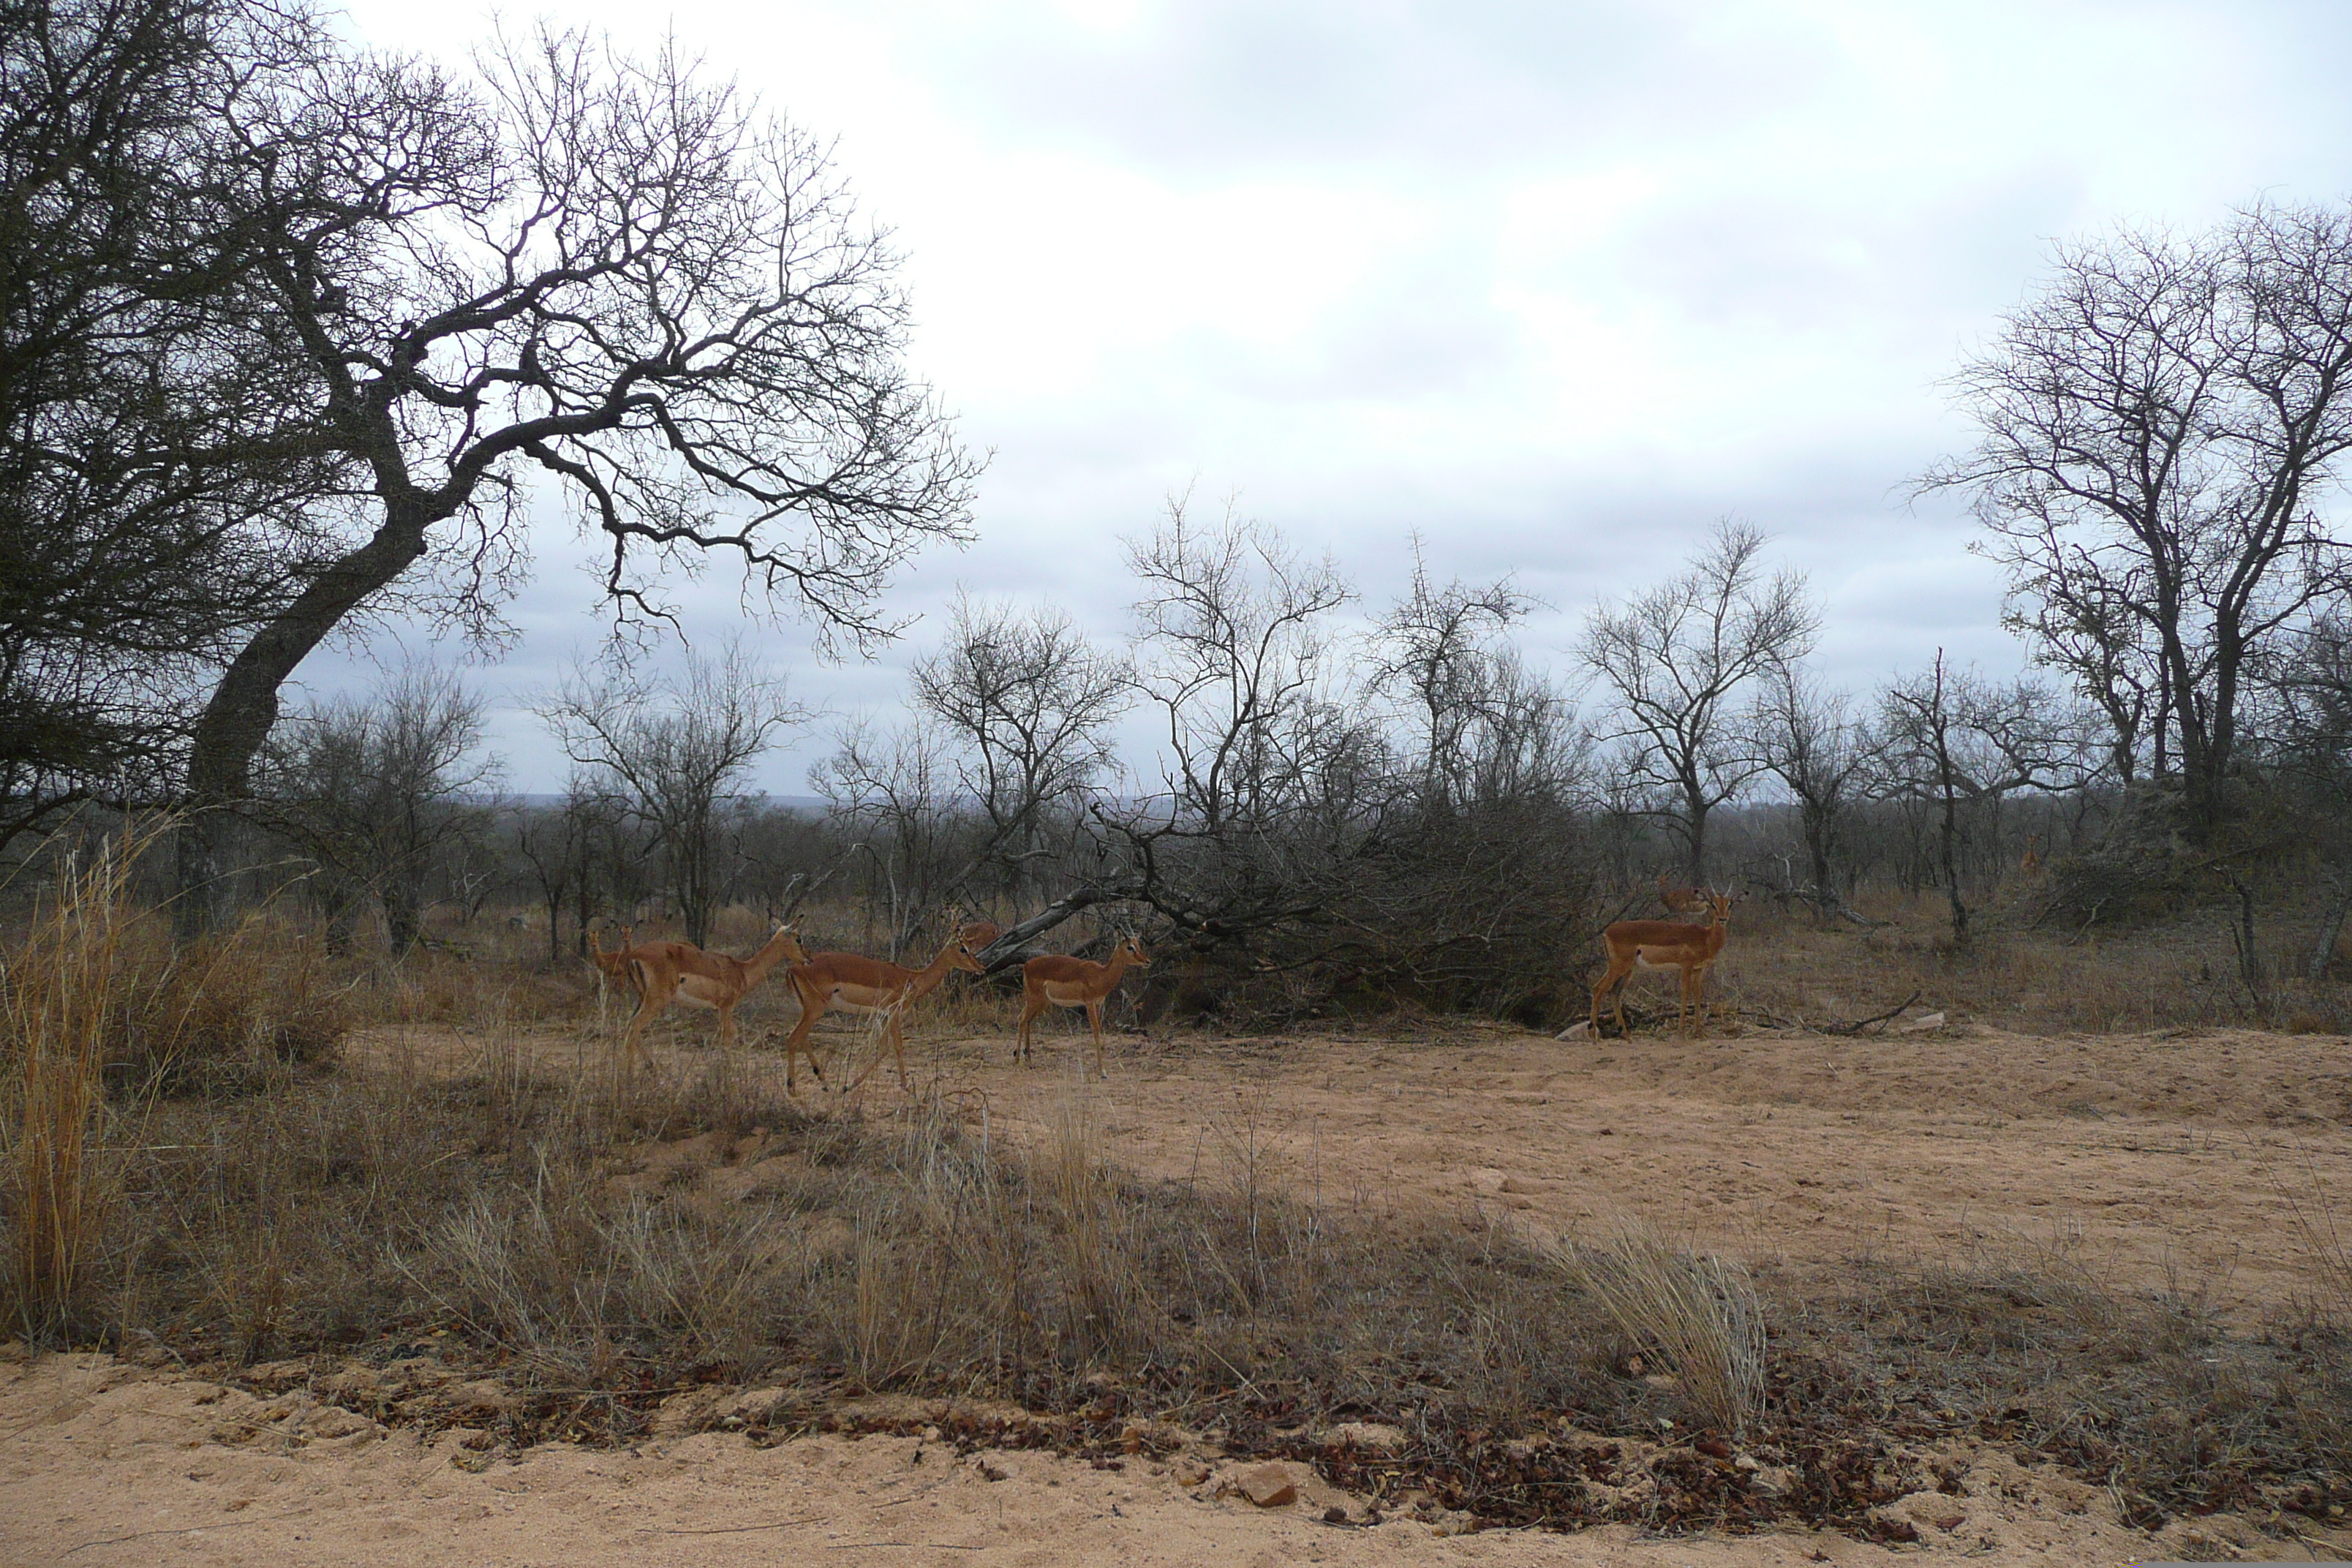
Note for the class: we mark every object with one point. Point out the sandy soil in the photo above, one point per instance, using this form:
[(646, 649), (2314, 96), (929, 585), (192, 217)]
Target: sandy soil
[(104, 1464), (2175, 1160)]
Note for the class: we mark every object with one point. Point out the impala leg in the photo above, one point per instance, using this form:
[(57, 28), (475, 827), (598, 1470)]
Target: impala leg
[(791, 1060), (1620, 975), (1093, 1018), (896, 1042), (812, 1009), (652, 998), (1032, 1004)]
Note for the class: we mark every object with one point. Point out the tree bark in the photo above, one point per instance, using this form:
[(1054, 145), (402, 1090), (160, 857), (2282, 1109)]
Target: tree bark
[(2331, 928), (244, 709), (402, 917), (1005, 950), (1696, 803)]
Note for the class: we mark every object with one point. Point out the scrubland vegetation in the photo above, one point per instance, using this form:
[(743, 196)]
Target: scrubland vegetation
[(267, 972), (360, 1177)]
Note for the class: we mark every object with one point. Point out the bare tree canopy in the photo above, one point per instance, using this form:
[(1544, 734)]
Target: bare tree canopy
[(154, 491), (1030, 706), (374, 790), (607, 278), (1439, 651), (1230, 634), (2162, 428), (1953, 738), (1823, 754), (678, 749), (1674, 658)]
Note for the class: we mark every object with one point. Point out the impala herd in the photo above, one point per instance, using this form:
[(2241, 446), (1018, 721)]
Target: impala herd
[(658, 973)]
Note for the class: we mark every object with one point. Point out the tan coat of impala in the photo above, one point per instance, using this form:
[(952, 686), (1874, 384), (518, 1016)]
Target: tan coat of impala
[(1058, 980), (1663, 944), (666, 972), (612, 962), (1681, 901), (856, 984)]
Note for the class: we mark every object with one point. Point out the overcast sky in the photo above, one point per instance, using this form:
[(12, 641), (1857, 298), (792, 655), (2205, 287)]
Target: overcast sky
[(1555, 285)]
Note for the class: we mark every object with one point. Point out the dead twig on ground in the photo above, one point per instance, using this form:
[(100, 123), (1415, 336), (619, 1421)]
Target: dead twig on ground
[(1858, 1024)]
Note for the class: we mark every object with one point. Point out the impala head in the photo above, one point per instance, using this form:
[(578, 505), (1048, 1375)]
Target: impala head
[(979, 934), (1134, 950), (1721, 903), (960, 956), (786, 945)]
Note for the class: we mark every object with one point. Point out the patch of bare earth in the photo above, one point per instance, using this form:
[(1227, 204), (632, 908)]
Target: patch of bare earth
[(2167, 1162)]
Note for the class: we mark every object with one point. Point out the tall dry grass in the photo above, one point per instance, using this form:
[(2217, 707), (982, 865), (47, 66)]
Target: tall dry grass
[(1699, 1309), (2021, 970), (2322, 1236), (230, 1012), (62, 1001)]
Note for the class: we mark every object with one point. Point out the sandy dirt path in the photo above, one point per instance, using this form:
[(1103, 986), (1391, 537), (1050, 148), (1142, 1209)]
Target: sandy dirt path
[(2174, 1161), (105, 1465)]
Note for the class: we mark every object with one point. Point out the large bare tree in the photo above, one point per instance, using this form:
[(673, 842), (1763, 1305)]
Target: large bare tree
[(2162, 429), (156, 493), (1674, 661), (608, 279)]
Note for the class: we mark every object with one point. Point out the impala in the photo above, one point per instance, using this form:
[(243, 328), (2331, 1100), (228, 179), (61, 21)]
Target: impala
[(856, 984), (666, 972), (1681, 901), (613, 972), (1663, 944), (612, 962), (1058, 980)]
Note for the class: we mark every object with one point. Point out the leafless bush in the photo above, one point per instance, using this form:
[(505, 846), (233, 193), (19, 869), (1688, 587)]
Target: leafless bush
[(376, 791)]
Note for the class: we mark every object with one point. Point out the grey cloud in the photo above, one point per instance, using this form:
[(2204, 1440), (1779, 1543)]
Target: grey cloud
[(1210, 88)]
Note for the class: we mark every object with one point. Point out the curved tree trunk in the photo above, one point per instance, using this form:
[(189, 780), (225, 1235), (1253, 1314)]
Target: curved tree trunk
[(244, 708)]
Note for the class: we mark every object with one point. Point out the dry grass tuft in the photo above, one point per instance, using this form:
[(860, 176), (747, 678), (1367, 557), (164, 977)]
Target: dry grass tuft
[(230, 1012), (64, 1000), (1699, 1309)]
